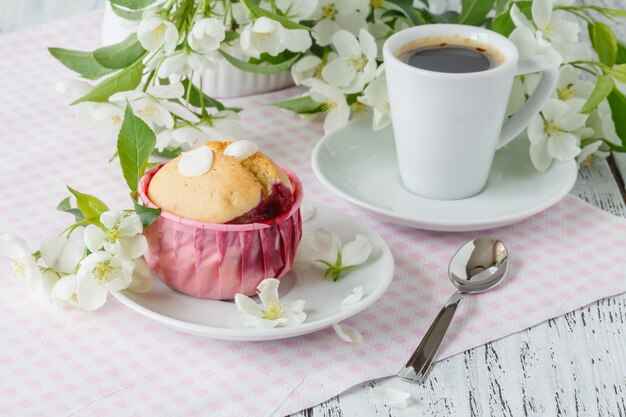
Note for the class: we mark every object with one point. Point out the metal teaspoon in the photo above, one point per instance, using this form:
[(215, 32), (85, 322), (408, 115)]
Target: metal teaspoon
[(476, 267)]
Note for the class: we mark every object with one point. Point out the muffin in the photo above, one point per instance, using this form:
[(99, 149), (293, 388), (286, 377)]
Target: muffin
[(224, 231)]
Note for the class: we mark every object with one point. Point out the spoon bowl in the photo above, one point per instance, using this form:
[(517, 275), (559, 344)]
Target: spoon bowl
[(478, 266)]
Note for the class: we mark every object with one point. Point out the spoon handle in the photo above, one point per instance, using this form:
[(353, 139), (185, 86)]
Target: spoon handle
[(418, 365)]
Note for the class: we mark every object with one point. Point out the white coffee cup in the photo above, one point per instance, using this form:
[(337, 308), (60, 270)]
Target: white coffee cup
[(447, 126)]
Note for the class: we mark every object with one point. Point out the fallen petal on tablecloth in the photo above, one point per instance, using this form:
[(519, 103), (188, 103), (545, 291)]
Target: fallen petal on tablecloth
[(115, 362)]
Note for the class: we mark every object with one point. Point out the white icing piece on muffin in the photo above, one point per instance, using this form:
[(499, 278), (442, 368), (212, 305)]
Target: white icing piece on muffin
[(228, 190), (196, 162), (241, 149)]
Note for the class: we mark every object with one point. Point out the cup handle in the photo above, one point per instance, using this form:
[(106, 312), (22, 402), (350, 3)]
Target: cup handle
[(520, 120)]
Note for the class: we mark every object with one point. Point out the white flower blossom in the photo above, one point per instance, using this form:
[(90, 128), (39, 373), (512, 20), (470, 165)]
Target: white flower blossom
[(206, 35), (155, 106), (105, 118), (154, 32), (334, 103), (355, 64), (100, 273), (265, 35), (549, 29), (271, 313), (376, 96), (297, 10), (59, 254), (65, 291), (324, 249), (306, 67), (333, 15), (120, 235), (552, 133), (183, 63), (570, 85)]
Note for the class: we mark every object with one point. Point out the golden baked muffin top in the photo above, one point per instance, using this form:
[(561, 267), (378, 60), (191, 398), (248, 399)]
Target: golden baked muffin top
[(230, 189)]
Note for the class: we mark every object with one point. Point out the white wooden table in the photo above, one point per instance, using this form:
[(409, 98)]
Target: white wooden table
[(573, 365)]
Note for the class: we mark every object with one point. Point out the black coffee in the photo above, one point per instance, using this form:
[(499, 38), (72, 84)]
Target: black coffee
[(449, 56)]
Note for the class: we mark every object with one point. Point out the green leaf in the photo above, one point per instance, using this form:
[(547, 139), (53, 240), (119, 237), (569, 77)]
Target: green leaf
[(133, 4), (621, 53), (617, 101), (82, 62), (66, 206), (604, 86), (146, 214), (231, 35), (503, 24), (300, 105), (194, 99), (259, 68), (126, 13), (91, 207), (447, 17), (604, 42), (121, 54), (135, 143), (257, 11), (124, 80), (500, 6), (168, 153), (473, 12), (619, 72), (406, 6)]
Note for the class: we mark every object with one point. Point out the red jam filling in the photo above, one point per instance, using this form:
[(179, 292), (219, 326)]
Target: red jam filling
[(279, 201)]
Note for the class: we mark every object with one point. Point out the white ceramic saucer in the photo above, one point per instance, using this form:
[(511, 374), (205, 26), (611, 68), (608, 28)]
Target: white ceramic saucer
[(360, 165), (211, 318)]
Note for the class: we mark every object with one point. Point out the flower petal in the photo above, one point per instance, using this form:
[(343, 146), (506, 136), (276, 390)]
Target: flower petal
[(268, 291), (356, 296), (12, 246), (542, 13), (339, 73), (307, 211), (94, 237), (65, 291), (348, 334), (563, 146), (247, 306), (91, 295), (539, 155), (61, 254), (390, 396), (196, 162), (142, 277), (356, 252)]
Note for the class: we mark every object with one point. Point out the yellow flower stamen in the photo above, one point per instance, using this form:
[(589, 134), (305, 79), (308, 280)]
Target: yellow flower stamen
[(19, 268), (329, 105), (359, 108), (274, 311), (150, 111), (357, 62), (377, 3), (329, 11), (552, 127), (159, 31), (567, 92), (114, 235), (117, 120), (102, 270), (589, 160)]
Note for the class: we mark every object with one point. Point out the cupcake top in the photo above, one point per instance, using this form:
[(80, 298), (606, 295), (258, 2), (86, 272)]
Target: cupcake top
[(236, 187)]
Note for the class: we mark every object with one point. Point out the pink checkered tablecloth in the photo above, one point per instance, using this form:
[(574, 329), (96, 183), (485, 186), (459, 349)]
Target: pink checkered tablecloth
[(59, 362)]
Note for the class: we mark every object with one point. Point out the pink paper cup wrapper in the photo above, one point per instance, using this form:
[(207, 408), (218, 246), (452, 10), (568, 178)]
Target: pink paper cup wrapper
[(217, 261)]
